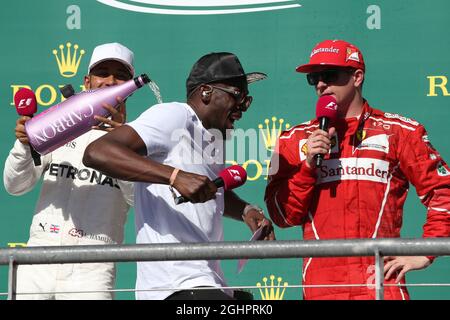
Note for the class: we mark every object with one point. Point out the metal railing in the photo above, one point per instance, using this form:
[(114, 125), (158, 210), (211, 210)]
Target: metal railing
[(225, 250)]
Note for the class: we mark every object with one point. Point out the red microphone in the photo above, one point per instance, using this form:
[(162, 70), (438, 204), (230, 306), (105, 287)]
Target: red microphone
[(229, 178), (326, 112), (25, 101), (26, 105)]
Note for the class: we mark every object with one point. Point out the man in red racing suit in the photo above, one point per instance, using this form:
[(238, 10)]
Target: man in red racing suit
[(360, 189)]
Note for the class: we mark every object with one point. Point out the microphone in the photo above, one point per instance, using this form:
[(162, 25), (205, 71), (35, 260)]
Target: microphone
[(229, 178), (26, 105), (25, 101), (326, 112)]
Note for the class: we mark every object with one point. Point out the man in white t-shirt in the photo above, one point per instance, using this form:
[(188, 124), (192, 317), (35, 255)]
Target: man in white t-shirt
[(177, 149)]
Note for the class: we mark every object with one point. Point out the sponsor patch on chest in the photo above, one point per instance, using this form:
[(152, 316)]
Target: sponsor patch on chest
[(379, 142), (353, 169)]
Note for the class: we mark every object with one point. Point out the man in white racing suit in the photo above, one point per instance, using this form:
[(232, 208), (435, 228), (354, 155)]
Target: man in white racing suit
[(77, 205)]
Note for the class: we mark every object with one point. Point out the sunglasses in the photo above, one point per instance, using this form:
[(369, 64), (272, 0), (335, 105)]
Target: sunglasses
[(243, 101), (327, 76)]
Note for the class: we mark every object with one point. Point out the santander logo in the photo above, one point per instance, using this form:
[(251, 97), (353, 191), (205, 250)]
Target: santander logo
[(199, 7), (353, 169)]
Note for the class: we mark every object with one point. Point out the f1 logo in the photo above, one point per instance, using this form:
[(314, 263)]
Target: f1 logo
[(23, 103), (236, 174), (331, 106)]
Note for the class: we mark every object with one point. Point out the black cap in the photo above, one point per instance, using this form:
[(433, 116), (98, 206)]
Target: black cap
[(218, 67)]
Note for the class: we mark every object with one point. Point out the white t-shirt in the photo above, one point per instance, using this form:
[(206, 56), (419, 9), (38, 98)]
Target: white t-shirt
[(173, 135)]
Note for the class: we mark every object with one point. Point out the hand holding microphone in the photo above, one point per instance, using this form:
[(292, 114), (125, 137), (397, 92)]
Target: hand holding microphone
[(319, 142), (26, 107), (229, 178)]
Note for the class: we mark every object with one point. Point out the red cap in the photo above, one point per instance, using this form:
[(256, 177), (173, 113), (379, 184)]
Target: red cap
[(336, 53), (233, 177)]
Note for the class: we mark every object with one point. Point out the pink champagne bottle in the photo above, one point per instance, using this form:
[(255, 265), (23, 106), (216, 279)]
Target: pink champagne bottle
[(73, 117)]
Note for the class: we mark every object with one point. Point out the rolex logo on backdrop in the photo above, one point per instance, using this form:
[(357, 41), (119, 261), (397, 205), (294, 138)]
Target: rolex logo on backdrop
[(195, 7), (271, 132), (272, 290), (66, 60), (265, 138), (438, 85)]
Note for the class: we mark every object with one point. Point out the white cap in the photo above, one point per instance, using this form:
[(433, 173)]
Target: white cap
[(112, 51)]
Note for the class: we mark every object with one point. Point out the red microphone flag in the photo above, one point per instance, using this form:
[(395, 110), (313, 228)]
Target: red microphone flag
[(233, 177), (326, 107), (25, 102)]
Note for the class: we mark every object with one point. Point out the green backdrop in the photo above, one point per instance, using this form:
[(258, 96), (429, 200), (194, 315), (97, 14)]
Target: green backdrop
[(405, 45)]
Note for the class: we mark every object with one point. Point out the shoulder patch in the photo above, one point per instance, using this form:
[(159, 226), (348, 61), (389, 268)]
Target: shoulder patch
[(300, 127), (442, 169), (401, 118)]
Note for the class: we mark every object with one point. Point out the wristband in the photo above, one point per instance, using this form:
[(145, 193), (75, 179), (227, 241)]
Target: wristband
[(173, 176)]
